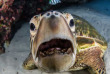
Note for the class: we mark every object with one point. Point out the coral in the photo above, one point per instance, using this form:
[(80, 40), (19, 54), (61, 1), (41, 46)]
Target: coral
[(10, 11)]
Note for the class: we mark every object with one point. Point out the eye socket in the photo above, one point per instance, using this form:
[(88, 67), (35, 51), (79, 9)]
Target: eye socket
[(71, 23), (32, 26)]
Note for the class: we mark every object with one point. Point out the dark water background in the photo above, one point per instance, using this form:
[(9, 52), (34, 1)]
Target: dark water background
[(102, 6)]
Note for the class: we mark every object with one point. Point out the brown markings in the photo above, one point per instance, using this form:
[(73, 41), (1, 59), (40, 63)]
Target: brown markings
[(91, 58)]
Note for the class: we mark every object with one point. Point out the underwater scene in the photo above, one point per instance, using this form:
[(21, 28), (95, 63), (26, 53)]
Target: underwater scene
[(54, 36)]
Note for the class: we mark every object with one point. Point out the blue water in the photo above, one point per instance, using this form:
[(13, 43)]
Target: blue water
[(102, 6)]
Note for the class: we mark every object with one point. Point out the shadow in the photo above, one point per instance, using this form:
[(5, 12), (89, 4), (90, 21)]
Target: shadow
[(85, 71)]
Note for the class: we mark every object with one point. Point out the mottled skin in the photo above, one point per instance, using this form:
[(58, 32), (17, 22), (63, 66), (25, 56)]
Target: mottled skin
[(90, 45)]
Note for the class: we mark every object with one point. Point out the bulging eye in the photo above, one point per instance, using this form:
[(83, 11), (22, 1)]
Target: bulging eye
[(32, 26), (71, 23)]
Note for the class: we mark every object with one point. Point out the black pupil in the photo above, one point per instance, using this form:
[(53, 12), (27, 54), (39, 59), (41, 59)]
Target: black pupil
[(32, 26), (71, 23)]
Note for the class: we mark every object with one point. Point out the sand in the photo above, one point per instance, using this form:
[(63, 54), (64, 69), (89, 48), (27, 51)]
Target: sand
[(18, 50)]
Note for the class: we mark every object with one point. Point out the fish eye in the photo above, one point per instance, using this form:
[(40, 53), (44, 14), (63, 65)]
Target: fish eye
[(32, 26), (71, 23)]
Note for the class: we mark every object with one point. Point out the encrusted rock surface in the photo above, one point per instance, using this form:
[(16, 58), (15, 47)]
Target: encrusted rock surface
[(9, 14)]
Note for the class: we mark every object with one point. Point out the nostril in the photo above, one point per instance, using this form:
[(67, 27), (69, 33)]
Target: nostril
[(51, 11), (56, 13), (52, 16), (48, 14)]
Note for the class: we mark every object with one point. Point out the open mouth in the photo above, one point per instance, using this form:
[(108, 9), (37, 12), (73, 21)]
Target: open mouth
[(55, 46)]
